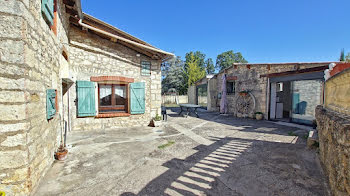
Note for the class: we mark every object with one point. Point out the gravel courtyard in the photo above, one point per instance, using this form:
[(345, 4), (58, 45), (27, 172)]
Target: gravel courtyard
[(210, 155)]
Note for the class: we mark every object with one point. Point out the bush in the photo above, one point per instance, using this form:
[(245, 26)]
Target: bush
[(157, 118)]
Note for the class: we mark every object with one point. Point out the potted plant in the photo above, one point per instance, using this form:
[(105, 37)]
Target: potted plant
[(61, 154), (157, 121), (259, 115), (243, 93)]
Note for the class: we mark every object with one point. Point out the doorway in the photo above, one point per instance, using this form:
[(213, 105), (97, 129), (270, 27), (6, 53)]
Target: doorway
[(295, 101), (202, 92)]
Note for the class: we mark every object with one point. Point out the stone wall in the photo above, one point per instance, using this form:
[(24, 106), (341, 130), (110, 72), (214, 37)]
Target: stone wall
[(29, 64), (91, 55), (248, 78), (192, 94), (337, 92), (310, 92), (334, 138)]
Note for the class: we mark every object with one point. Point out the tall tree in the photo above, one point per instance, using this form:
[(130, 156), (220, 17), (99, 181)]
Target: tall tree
[(347, 58), (198, 56), (342, 55), (209, 66), (174, 76), (226, 59), (194, 72)]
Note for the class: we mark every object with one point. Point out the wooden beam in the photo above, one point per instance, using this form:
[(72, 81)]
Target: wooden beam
[(71, 11), (300, 71), (139, 50), (69, 2)]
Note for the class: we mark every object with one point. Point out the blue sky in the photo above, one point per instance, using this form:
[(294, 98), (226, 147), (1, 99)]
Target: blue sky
[(262, 30)]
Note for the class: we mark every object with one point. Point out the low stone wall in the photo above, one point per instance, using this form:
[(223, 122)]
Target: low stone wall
[(172, 99), (334, 137)]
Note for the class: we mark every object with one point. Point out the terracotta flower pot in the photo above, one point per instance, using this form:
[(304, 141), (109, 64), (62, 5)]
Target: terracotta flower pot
[(157, 123), (61, 155)]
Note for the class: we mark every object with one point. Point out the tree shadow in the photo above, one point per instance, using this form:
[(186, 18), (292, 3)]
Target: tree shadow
[(234, 166)]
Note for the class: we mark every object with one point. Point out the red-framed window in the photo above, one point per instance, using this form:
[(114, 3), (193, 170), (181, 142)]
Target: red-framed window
[(113, 98)]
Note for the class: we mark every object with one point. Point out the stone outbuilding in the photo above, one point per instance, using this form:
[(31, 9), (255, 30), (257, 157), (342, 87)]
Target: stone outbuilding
[(281, 91), (63, 70)]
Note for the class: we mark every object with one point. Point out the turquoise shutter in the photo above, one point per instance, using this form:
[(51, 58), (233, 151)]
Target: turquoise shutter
[(86, 98), (145, 68), (137, 98), (50, 103), (47, 8)]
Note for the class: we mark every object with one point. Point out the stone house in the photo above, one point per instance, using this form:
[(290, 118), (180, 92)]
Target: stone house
[(62, 70), (281, 91)]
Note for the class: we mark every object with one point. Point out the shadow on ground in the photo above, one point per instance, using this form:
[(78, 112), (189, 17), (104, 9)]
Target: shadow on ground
[(234, 166)]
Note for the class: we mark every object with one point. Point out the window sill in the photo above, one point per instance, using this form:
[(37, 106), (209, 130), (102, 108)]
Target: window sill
[(110, 115)]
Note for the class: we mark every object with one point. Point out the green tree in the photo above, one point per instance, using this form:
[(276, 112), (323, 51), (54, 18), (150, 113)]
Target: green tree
[(173, 76), (198, 56), (194, 72), (347, 58), (226, 59), (342, 55), (209, 66)]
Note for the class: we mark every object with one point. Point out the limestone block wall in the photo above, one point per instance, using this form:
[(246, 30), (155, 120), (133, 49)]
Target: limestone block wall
[(90, 55), (333, 124), (310, 92), (248, 78), (29, 53), (212, 95), (192, 94), (334, 138), (337, 92)]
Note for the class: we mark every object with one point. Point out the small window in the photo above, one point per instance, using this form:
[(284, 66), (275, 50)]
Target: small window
[(113, 98), (279, 87), (230, 87), (145, 68)]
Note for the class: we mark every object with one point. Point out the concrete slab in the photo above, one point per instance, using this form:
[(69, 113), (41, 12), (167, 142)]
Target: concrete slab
[(211, 155)]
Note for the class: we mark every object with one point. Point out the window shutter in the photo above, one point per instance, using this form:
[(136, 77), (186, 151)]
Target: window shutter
[(50, 103), (137, 98), (47, 8), (145, 68), (86, 98)]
